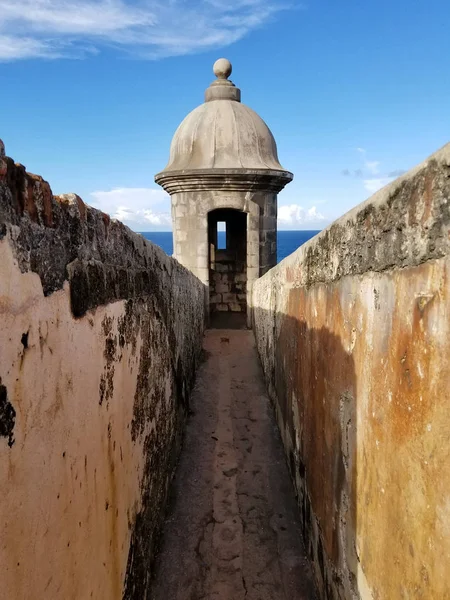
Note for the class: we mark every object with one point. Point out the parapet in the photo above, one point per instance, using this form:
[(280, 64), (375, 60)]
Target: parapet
[(100, 336), (61, 238)]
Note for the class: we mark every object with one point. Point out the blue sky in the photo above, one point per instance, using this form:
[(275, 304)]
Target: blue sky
[(355, 93)]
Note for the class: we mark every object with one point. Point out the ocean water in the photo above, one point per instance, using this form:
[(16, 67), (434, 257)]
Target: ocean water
[(288, 241)]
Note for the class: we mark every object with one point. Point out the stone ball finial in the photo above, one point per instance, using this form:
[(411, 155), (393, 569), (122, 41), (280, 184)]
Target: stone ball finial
[(222, 68)]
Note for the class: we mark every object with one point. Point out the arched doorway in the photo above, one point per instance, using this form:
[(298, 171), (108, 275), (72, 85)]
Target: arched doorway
[(227, 242)]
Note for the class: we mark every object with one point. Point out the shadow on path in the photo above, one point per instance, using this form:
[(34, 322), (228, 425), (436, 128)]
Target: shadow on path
[(233, 529)]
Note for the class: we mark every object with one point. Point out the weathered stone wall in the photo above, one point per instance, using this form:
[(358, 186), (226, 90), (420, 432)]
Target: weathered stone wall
[(353, 331), (228, 265), (227, 285), (100, 336)]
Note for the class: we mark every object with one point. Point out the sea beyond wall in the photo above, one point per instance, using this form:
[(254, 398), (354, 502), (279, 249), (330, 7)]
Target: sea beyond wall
[(100, 337), (353, 331)]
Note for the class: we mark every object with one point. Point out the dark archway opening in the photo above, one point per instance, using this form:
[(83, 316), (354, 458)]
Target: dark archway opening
[(227, 241)]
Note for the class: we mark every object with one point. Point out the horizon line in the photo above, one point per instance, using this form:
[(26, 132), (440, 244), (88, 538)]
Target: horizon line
[(171, 231)]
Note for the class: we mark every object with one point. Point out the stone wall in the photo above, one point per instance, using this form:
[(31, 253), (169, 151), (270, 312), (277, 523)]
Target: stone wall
[(227, 284), (353, 330), (100, 336), (228, 265)]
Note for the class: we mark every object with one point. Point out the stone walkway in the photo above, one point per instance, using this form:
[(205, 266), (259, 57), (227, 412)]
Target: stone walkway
[(232, 531)]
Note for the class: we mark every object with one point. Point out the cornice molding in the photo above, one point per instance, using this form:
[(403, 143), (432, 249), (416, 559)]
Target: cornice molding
[(237, 180)]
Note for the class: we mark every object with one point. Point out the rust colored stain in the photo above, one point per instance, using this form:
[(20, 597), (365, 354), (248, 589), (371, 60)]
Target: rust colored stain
[(81, 207), (30, 193), (290, 275), (320, 374), (361, 378), (106, 220), (410, 347), (402, 483), (15, 174), (82, 211)]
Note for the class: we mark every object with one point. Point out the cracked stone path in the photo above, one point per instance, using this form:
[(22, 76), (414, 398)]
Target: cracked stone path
[(233, 530)]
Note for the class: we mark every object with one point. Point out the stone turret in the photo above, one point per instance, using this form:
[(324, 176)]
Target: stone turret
[(224, 169)]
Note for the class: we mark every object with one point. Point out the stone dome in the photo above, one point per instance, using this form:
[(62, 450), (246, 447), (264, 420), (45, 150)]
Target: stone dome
[(223, 134)]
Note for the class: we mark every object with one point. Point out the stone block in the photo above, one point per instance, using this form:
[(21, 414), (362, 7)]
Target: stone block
[(271, 208), (253, 222), (253, 247), (268, 223), (215, 298), (221, 268), (202, 262), (222, 288), (253, 235), (253, 261), (235, 307), (252, 273), (228, 297), (202, 249), (180, 198), (222, 307), (202, 222), (203, 274)]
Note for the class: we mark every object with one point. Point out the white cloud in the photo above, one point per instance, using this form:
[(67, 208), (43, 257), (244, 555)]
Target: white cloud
[(373, 185), (14, 48), (147, 28), (146, 209), (372, 166), (292, 216), (142, 209)]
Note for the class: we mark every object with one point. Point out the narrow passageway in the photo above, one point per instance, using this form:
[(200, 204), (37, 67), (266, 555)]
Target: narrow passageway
[(232, 531)]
